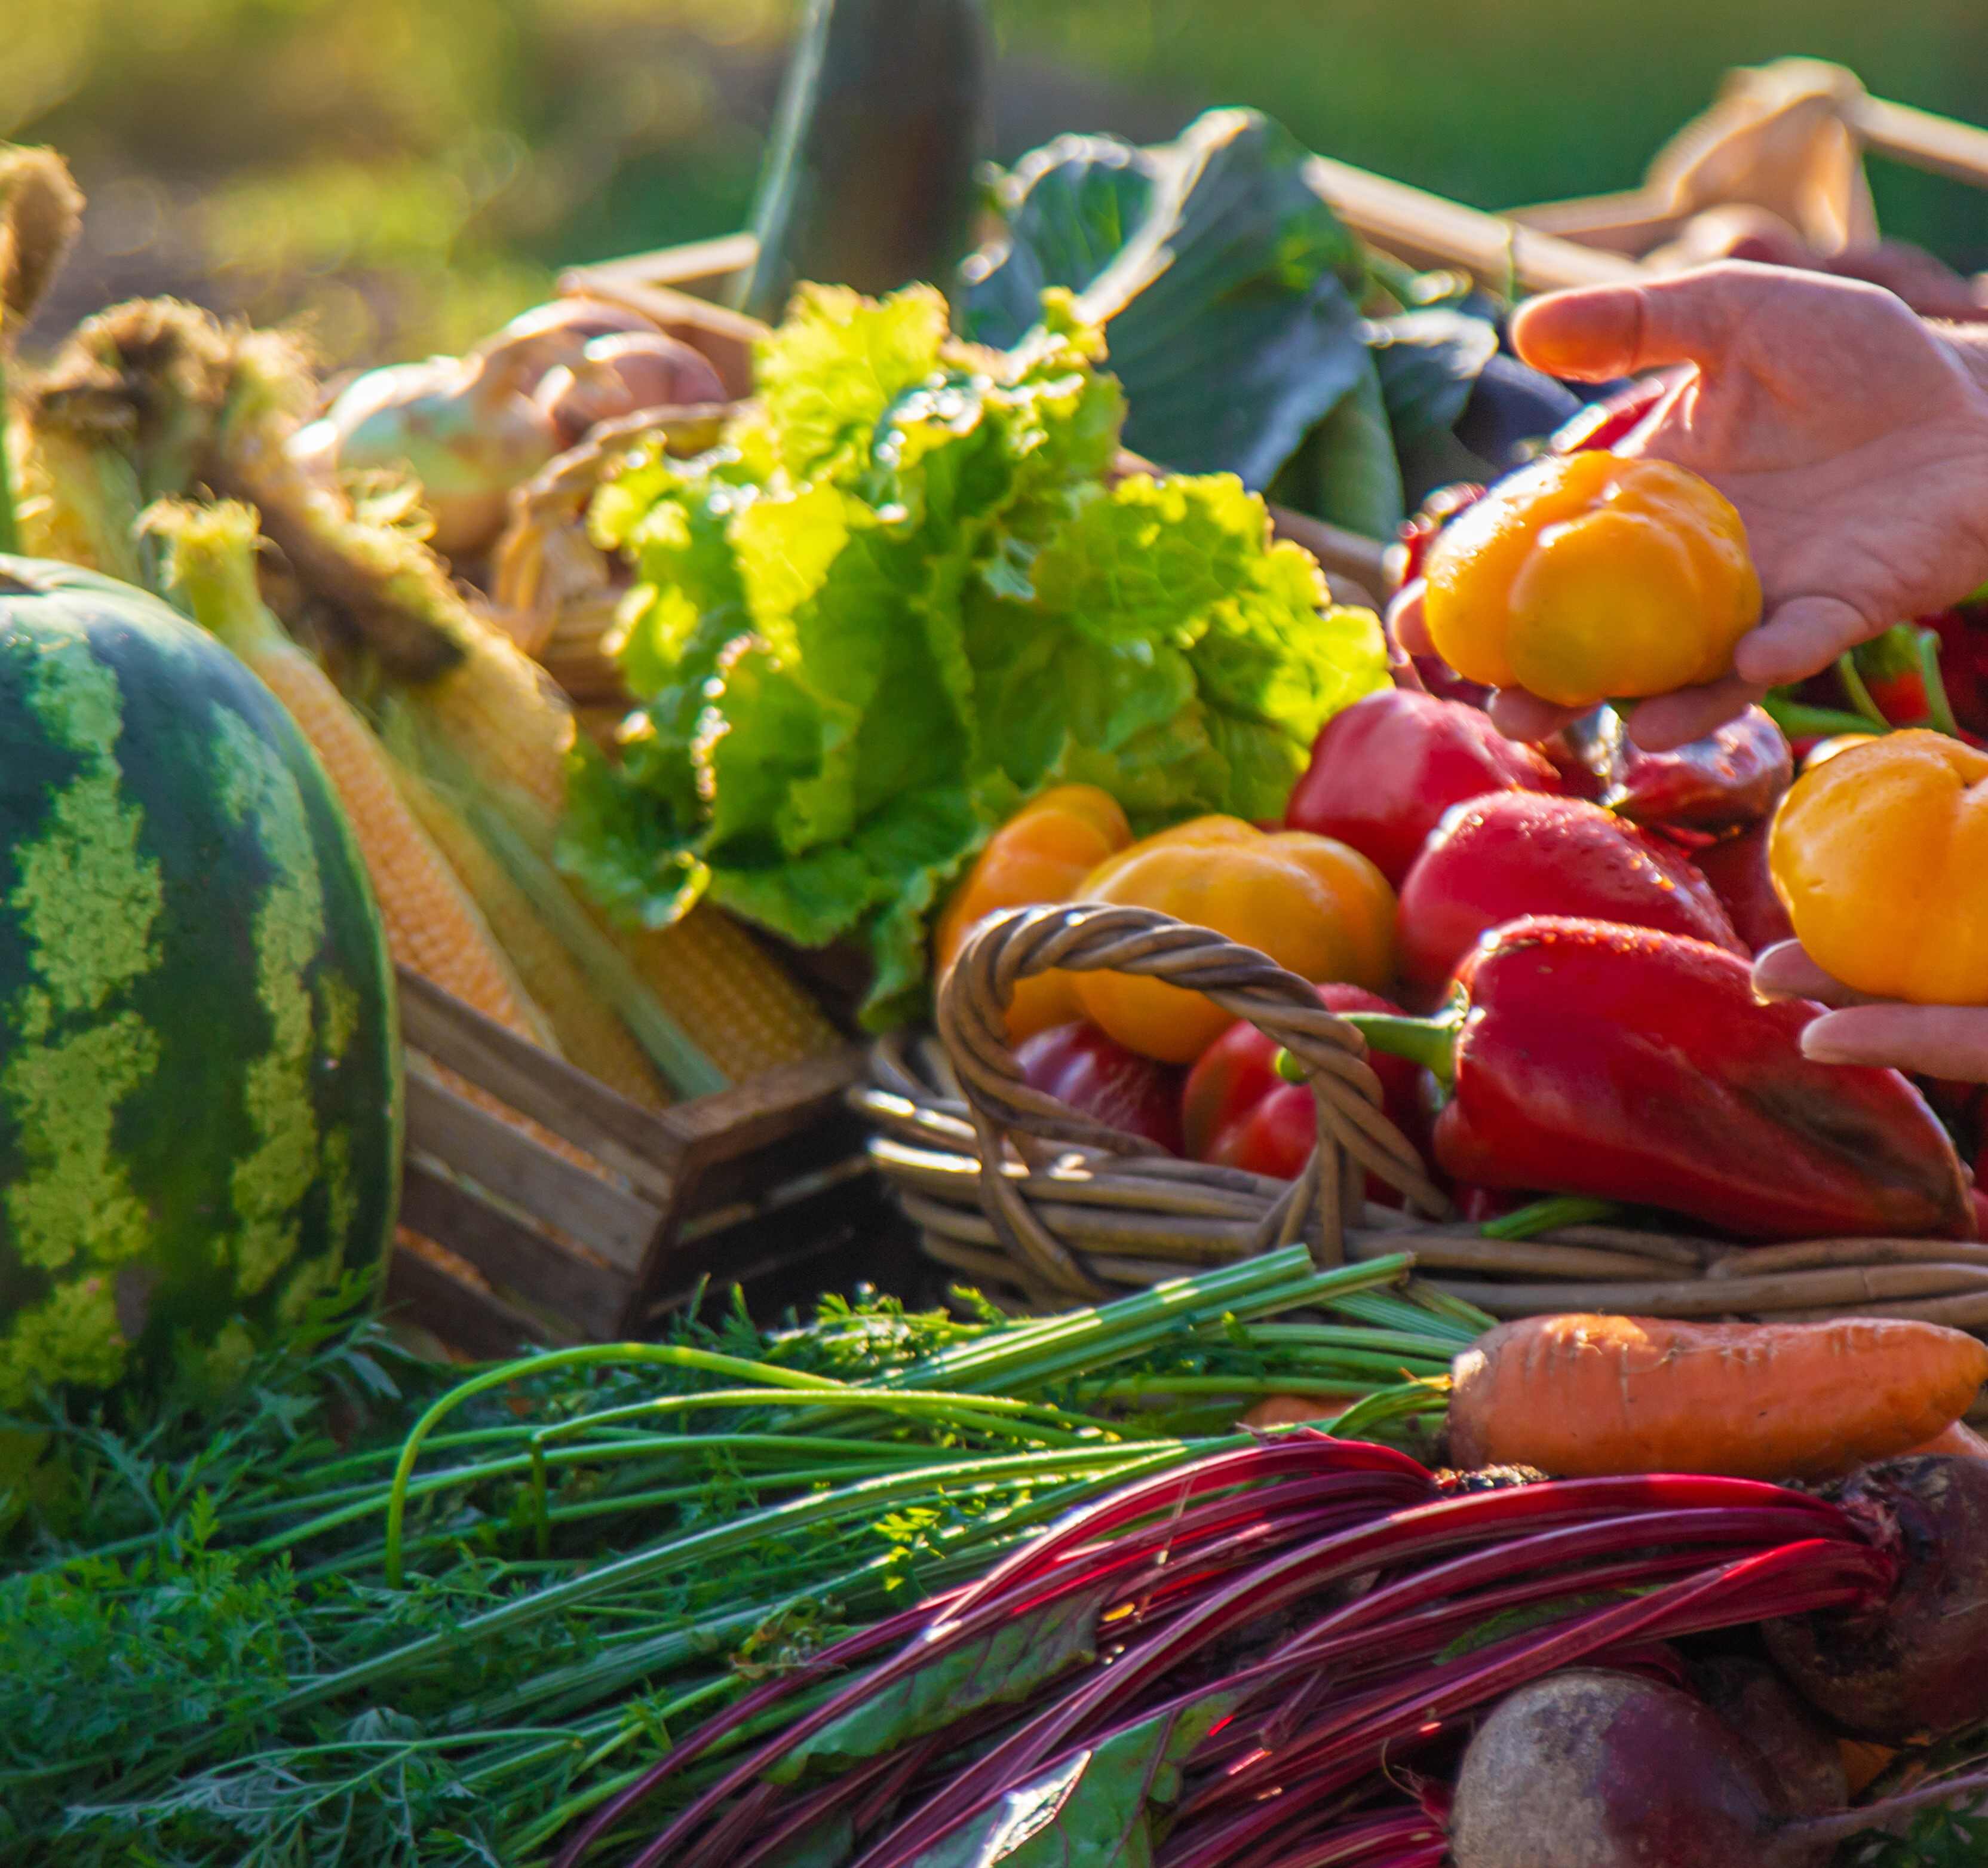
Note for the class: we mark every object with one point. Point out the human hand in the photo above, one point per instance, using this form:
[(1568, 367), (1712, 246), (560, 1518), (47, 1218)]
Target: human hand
[(1929, 1040), (1852, 435)]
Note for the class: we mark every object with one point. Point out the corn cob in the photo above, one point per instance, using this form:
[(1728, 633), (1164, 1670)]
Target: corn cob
[(589, 1031), (497, 713), (734, 1000), (432, 926)]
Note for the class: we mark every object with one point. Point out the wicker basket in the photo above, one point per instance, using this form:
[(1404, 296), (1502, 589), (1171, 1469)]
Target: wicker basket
[(1045, 1207)]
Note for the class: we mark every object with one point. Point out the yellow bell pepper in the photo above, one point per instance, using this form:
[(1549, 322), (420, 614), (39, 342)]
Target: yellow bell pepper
[(1312, 904), (1881, 858), (1588, 577), (1040, 854)]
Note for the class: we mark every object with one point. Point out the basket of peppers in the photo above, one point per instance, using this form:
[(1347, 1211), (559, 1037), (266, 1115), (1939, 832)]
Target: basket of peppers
[(1488, 1002)]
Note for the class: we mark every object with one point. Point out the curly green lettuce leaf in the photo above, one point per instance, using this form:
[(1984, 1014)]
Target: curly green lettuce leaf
[(889, 607)]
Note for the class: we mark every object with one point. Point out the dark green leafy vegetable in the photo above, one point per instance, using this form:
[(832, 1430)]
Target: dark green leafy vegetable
[(1346, 471), (1430, 361), (899, 598), (1227, 289)]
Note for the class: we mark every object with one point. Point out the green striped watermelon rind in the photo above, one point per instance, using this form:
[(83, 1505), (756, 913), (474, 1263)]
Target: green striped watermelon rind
[(200, 1100)]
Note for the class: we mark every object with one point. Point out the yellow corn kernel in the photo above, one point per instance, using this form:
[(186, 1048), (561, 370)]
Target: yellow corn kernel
[(735, 1003)]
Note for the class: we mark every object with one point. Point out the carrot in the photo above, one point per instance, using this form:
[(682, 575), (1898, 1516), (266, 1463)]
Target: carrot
[(1293, 1410), (1960, 1441), (1585, 1395)]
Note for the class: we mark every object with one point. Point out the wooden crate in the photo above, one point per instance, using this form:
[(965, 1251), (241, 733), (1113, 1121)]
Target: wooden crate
[(1789, 136), (765, 1178)]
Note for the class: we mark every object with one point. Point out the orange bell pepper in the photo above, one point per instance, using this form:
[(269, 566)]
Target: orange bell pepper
[(1588, 577), (1312, 904), (1040, 854), (1881, 856)]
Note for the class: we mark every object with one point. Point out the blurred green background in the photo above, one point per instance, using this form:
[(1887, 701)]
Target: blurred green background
[(408, 172)]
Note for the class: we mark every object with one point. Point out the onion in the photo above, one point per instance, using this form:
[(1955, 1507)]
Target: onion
[(622, 374), (550, 335), (465, 432)]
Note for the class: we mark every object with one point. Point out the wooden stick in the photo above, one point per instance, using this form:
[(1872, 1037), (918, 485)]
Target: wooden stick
[(1425, 230), (1918, 137), (1829, 1292), (1810, 1254)]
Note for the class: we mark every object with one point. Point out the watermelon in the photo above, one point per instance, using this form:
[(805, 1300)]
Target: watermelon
[(200, 1116)]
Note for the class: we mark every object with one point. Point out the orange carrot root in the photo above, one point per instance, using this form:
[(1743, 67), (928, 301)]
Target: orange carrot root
[(1582, 1395)]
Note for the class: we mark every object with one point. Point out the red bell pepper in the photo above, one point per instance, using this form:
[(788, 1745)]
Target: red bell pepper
[(1737, 870), (1236, 1111), (1630, 1065), (1614, 418), (1731, 778), (1098, 1077), (1383, 770), (1496, 858)]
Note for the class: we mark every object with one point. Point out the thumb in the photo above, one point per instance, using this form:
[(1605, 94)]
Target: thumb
[(1597, 331)]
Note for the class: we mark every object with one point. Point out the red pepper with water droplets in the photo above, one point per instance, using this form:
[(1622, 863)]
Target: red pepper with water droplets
[(1626, 1064), (1495, 859), (1384, 770)]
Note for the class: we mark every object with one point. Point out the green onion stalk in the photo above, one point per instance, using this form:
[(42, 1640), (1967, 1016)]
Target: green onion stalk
[(446, 1633)]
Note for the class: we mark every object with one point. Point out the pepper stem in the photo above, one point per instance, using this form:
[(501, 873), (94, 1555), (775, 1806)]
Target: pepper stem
[(1430, 1042), (1800, 721), (1859, 695), (1939, 709)]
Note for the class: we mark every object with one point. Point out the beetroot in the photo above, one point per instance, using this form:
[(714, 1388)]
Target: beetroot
[(1589, 1769), (1804, 1763), (1919, 1663)]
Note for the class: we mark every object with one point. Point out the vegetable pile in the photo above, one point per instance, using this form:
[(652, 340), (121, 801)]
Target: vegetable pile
[(905, 640)]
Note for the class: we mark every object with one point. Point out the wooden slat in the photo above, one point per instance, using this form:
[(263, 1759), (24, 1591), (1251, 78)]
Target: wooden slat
[(696, 262), (1424, 229), (1630, 223), (510, 1254), (473, 1321), (535, 1083), (780, 1103), (491, 1152), (1919, 137)]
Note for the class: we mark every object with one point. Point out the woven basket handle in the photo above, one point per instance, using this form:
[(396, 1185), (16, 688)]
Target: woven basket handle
[(1354, 1137)]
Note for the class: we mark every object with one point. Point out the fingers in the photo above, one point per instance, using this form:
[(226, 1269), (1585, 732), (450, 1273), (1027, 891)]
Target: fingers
[(1406, 624), (1671, 720), (1801, 638), (1934, 1041), (1596, 332), (1785, 971), (1519, 716)]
